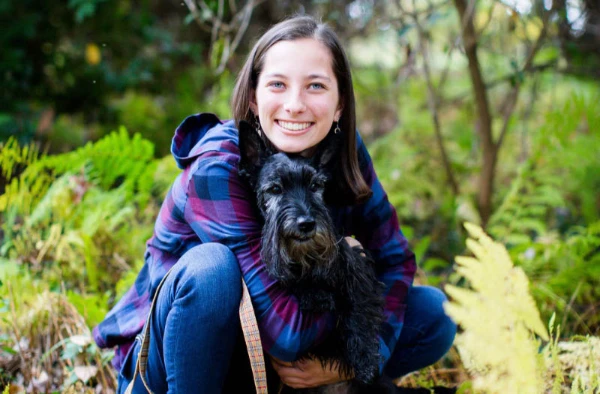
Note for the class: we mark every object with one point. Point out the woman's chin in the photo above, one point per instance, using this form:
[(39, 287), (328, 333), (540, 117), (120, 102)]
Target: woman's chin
[(291, 146)]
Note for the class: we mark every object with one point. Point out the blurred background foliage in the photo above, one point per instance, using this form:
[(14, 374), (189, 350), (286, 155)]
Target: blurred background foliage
[(92, 90)]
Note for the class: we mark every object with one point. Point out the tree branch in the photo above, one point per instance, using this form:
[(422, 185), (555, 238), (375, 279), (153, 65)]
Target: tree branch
[(231, 33), (432, 101), (511, 98)]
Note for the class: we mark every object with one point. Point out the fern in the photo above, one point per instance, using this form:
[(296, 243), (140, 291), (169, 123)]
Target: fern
[(574, 363), (12, 156), (117, 160), (523, 214), (499, 317), (83, 214), (567, 276)]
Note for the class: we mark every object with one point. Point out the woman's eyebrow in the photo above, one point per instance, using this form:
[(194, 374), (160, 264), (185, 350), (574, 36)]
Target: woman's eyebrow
[(319, 76), (275, 75), (311, 76)]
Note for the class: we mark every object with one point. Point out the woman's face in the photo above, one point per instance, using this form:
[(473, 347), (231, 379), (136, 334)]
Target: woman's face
[(296, 97)]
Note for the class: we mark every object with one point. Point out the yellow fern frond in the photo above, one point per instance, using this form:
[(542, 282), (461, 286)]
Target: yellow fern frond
[(498, 316)]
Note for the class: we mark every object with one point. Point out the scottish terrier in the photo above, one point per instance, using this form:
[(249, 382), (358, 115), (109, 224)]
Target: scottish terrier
[(303, 251)]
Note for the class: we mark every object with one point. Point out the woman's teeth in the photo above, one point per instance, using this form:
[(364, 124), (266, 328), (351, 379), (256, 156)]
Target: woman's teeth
[(294, 126)]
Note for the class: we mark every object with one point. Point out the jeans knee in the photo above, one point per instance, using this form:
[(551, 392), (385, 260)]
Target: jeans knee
[(441, 324), (445, 326), (209, 274)]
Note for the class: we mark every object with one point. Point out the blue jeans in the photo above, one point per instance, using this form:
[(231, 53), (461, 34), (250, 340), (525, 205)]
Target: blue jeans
[(195, 328)]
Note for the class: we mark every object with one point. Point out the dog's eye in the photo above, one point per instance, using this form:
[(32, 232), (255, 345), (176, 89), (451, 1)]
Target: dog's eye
[(314, 187), (275, 189)]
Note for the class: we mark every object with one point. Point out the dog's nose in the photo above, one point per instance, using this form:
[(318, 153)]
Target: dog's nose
[(306, 224)]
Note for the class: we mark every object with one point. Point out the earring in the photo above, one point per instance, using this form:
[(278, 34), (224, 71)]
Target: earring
[(337, 128), (257, 125)]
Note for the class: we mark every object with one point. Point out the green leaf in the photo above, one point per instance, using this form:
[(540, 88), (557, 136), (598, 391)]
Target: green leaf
[(433, 263), (9, 350)]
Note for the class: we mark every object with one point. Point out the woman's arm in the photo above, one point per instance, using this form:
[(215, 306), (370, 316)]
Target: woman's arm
[(220, 208), (375, 225)]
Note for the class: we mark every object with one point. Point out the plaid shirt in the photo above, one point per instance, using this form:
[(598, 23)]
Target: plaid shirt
[(209, 202)]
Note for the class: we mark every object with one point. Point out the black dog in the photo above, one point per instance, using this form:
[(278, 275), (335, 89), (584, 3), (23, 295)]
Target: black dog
[(303, 251)]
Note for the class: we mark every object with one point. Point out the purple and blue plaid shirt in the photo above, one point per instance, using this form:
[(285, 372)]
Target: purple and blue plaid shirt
[(209, 202)]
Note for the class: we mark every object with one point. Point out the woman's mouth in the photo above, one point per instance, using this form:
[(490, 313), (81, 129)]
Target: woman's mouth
[(294, 127)]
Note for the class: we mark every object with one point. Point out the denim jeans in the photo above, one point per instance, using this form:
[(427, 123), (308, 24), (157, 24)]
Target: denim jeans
[(195, 334)]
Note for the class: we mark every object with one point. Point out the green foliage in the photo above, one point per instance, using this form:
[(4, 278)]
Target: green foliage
[(549, 215), (72, 225), (84, 8), (83, 214), (47, 331), (566, 275), (573, 363), (523, 214)]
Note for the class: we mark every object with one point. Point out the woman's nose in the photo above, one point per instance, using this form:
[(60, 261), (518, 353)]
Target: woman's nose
[(295, 103)]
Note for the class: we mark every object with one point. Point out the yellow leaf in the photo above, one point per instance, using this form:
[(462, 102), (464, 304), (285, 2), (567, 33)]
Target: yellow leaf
[(499, 317), (92, 54)]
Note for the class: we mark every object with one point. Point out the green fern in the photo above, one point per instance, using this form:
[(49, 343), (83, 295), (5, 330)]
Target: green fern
[(574, 363), (523, 214), (83, 214), (116, 161), (13, 155)]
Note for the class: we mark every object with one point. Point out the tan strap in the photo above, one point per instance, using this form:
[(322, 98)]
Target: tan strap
[(252, 338), (142, 360)]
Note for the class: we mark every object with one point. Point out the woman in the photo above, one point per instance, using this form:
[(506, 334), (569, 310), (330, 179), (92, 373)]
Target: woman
[(295, 88)]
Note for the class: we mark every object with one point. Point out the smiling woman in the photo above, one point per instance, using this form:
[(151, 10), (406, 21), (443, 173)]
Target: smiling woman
[(296, 89), (295, 102)]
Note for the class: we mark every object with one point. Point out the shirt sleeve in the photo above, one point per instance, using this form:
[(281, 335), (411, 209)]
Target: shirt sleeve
[(375, 225), (220, 209)]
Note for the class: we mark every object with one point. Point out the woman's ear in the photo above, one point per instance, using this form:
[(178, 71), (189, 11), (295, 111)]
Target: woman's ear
[(253, 106), (338, 114)]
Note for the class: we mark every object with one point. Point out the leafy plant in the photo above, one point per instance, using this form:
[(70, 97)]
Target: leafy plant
[(498, 316), (83, 214)]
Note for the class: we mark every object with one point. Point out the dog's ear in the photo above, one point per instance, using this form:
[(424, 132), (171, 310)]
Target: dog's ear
[(253, 152), (251, 145), (327, 151)]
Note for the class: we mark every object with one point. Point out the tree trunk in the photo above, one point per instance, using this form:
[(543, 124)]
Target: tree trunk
[(484, 120)]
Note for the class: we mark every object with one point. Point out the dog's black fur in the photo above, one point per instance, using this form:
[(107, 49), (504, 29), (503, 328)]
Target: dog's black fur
[(303, 251)]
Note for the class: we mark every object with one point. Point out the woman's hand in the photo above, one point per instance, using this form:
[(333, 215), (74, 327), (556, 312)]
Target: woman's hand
[(352, 242), (307, 373)]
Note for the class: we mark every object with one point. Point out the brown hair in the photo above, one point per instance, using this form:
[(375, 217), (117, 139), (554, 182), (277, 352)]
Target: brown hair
[(351, 187)]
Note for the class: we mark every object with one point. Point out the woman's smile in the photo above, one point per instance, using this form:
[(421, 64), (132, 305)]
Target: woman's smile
[(296, 98), (294, 128)]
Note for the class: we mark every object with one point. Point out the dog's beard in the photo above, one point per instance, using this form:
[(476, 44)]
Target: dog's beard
[(290, 258)]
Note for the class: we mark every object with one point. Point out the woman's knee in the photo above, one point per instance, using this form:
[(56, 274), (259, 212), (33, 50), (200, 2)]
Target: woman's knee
[(432, 301), (209, 272)]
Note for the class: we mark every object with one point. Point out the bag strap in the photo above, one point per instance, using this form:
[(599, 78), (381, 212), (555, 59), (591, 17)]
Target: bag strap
[(253, 343), (142, 359), (251, 337)]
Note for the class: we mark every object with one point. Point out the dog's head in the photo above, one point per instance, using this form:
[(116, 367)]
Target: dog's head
[(298, 236)]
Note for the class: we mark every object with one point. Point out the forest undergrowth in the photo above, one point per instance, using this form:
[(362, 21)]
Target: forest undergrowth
[(527, 296)]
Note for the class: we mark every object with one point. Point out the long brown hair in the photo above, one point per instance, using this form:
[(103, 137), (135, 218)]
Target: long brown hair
[(351, 187)]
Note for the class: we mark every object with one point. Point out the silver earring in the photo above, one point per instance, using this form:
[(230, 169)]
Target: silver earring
[(257, 125), (337, 128)]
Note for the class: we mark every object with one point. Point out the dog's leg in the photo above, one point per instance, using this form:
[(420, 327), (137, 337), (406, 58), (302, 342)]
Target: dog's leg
[(363, 314)]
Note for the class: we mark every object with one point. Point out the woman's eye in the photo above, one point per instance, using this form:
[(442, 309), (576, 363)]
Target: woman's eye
[(317, 86), (275, 189), (276, 85)]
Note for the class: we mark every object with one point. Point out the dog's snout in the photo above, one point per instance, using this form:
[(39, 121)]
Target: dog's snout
[(306, 224)]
